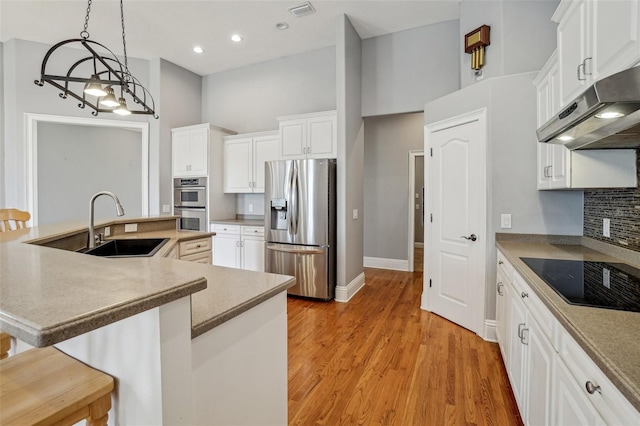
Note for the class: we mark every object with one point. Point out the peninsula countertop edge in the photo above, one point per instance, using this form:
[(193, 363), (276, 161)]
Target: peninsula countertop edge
[(48, 295)]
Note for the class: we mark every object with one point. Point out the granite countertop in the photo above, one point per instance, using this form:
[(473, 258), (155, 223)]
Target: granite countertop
[(48, 295), (611, 338)]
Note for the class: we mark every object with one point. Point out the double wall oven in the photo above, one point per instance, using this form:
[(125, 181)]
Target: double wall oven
[(190, 203)]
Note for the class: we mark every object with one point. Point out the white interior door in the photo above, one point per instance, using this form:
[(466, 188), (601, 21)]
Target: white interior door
[(454, 274)]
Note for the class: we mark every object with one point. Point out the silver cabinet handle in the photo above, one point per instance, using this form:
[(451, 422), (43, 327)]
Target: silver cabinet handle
[(524, 342), (524, 294), (471, 237), (499, 289), (520, 329), (500, 262), (584, 66), (591, 388), (578, 72)]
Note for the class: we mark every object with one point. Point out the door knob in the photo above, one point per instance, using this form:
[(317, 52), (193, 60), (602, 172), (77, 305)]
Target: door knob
[(471, 237)]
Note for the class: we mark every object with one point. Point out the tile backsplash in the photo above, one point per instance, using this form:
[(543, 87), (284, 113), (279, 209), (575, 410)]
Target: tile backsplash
[(622, 207)]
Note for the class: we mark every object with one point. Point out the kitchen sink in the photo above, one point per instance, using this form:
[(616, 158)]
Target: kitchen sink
[(130, 247)]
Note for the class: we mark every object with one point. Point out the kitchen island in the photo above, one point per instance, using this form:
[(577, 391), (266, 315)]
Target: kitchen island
[(188, 343)]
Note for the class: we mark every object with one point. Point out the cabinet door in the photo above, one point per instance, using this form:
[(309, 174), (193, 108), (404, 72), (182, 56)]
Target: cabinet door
[(615, 36), (180, 152), (517, 350), (226, 250), (253, 253), (572, 50), (265, 148), (560, 159), (322, 137), (237, 165), (544, 164), (293, 139), (503, 317), (570, 404), (539, 370), (199, 152)]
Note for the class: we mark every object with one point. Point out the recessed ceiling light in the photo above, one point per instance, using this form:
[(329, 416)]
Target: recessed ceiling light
[(236, 37), (565, 138), (282, 25), (198, 49), (610, 114)]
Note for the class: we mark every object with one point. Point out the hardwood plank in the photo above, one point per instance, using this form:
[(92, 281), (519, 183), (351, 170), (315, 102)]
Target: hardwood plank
[(381, 360)]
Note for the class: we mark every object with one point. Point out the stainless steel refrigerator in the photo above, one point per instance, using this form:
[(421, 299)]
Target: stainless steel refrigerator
[(300, 224)]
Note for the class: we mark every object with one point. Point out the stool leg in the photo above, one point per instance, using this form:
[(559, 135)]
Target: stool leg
[(99, 411)]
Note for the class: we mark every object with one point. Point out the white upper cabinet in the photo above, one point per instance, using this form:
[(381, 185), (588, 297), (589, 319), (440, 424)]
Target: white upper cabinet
[(596, 38), (244, 159), (190, 151), (309, 136)]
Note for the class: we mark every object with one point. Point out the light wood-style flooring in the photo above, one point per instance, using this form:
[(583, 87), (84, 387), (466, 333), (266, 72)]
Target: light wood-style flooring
[(380, 360)]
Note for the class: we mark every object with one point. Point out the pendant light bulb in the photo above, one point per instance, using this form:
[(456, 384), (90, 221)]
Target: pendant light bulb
[(94, 88), (122, 108), (109, 100)]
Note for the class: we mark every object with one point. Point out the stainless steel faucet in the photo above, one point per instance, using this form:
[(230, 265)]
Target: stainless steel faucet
[(119, 212)]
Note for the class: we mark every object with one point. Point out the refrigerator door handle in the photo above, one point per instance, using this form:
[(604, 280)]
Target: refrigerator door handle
[(294, 198), (297, 251), (290, 200)]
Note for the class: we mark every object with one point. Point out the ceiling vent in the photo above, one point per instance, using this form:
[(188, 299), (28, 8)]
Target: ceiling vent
[(301, 10)]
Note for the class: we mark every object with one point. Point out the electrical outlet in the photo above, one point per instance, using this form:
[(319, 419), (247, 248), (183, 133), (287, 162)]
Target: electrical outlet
[(166, 208), (130, 227), (606, 228), (355, 214), (250, 208), (505, 221), (107, 231)]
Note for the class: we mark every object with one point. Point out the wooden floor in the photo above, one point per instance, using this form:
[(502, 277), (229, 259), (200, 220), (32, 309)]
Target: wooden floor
[(380, 360)]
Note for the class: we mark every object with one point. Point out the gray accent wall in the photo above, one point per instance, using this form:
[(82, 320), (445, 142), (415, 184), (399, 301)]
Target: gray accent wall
[(388, 140), (249, 99), (350, 164), (2, 177), (404, 70), (522, 36), (419, 218), (178, 94), (511, 165), (75, 162)]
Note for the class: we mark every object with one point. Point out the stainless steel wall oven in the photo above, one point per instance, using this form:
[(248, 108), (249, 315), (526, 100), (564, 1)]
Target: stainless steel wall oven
[(190, 203)]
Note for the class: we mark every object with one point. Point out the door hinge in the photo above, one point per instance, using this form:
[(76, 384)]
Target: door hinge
[(431, 217), (431, 151), (430, 283)]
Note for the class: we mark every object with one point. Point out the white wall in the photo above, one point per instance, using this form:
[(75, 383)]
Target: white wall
[(21, 66), (249, 99), (388, 140), (511, 165), (522, 35), (350, 164), (404, 70), (2, 177)]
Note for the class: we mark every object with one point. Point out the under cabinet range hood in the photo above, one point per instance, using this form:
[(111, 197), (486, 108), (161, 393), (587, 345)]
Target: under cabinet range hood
[(605, 116)]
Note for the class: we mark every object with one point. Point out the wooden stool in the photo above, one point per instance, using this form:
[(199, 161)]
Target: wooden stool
[(5, 345), (43, 386)]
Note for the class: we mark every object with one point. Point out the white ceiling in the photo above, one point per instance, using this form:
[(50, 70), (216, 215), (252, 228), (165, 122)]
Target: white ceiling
[(170, 29)]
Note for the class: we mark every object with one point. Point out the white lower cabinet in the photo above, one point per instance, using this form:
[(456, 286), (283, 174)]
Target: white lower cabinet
[(240, 247), (553, 380)]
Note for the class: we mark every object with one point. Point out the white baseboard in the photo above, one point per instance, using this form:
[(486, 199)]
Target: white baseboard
[(382, 263), (490, 331), (345, 293), (418, 245)]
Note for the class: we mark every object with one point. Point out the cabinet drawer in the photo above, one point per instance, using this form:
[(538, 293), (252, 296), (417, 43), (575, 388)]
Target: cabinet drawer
[(222, 228), (195, 246), (546, 321), (253, 230), (204, 257), (608, 401), (505, 266)]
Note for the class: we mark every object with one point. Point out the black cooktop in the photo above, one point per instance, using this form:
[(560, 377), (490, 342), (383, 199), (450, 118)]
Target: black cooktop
[(597, 284)]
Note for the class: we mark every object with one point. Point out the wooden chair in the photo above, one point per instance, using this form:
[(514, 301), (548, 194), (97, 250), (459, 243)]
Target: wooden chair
[(5, 345), (43, 386), (15, 216)]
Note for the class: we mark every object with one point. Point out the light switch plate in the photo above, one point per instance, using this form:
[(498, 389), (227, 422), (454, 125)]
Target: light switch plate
[(107, 231), (355, 214), (250, 208), (606, 227), (505, 221), (166, 208), (130, 227)]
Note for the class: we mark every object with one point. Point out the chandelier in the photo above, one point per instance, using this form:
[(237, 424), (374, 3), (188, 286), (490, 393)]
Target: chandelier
[(100, 80)]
